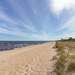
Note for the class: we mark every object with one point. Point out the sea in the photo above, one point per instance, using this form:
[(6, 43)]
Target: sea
[(10, 45)]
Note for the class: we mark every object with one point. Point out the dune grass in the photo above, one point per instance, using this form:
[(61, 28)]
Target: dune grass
[(65, 60), (71, 67), (60, 64)]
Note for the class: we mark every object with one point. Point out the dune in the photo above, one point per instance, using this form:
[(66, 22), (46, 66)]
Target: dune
[(31, 60)]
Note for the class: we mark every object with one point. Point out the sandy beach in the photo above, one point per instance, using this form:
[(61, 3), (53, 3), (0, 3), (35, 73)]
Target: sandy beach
[(31, 60)]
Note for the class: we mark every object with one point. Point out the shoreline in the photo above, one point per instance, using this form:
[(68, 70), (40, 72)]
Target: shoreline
[(36, 58)]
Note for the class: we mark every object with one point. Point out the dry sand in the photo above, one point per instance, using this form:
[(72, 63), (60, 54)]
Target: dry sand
[(32, 60)]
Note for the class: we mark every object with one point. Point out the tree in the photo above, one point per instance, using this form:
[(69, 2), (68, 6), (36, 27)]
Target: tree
[(70, 38)]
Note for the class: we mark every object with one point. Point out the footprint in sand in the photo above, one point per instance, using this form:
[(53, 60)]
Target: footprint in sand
[(28, 69)]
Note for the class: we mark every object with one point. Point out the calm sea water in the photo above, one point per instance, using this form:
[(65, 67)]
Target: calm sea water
[(9, 45)]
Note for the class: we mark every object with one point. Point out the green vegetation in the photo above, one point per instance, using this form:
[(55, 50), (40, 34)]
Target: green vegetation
[(69, 39)]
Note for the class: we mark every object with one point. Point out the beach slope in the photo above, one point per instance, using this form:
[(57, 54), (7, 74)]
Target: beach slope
[(31, 60)]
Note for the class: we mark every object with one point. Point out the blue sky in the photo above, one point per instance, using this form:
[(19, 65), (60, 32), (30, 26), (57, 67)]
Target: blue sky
[(37, 19)]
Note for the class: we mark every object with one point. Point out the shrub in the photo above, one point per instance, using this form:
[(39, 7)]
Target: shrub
[(71, 67)]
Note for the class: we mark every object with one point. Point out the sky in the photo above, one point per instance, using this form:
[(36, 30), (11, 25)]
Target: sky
[(37, 19)]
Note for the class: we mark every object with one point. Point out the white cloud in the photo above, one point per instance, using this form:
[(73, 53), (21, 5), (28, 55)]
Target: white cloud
[(70, 24), (2, 30), (57, 6), (72, 34), (31, 28), (5, 17), (43, 36), (68, 28), (67, 35), (13, 25)]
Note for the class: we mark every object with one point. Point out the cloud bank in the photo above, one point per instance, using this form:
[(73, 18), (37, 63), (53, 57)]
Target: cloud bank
[(57, 6)]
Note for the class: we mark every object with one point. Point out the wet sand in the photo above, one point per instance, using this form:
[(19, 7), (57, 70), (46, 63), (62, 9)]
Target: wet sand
[(31, 60)]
